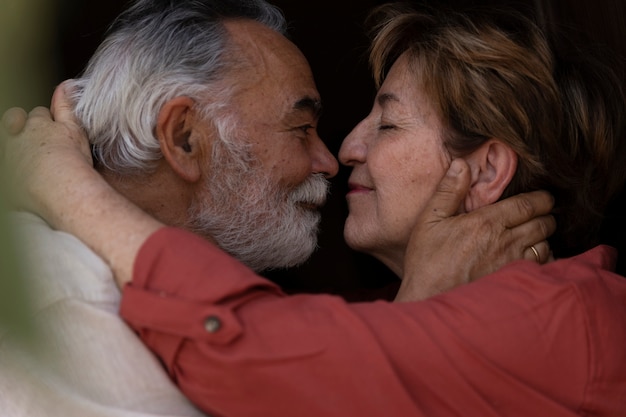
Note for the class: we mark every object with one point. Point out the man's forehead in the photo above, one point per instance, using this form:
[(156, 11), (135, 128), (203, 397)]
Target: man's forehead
[(274, 68), (259, 44)]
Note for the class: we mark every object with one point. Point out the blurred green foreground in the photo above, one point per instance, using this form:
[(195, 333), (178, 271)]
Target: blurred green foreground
[(27, 70)]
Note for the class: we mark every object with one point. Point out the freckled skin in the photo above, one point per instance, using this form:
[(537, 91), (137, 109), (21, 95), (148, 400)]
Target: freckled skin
[(398, 159)]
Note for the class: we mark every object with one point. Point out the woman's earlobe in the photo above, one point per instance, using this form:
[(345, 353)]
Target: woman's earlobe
[(493, 166)]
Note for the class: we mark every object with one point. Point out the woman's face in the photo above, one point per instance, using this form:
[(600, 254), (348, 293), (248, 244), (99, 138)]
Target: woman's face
[(398, 159)]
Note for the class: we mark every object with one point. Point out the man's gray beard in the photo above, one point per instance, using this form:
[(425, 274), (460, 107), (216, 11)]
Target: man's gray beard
[(253, 219)]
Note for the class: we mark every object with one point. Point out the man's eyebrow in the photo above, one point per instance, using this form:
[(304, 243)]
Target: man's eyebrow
[(386, 97), (311, 104)]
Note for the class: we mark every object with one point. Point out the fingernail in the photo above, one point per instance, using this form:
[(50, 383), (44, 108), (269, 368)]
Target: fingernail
[(455, 168)]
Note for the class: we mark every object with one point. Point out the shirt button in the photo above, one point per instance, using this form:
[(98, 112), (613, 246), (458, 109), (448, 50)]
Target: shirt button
[(212, 324)]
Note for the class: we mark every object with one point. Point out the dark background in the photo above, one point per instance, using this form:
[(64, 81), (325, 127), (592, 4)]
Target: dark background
[(331, 35)]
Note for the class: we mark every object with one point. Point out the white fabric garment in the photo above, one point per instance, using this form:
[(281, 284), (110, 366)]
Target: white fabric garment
[(88, 363)]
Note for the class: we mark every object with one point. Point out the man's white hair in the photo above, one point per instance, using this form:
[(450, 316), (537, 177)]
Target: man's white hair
[(155, 51), (161, 49)]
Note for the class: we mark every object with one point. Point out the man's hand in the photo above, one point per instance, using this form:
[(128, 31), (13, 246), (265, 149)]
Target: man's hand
[(446, 250)]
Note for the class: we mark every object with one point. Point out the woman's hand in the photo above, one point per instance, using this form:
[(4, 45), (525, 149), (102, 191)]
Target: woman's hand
[(50, 167), (36, 148)]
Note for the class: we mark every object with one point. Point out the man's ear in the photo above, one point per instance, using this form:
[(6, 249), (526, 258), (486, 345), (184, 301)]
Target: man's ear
[(179, 145), (492, 168)]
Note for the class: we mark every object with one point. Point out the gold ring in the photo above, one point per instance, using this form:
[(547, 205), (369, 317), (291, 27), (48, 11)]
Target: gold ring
[(532, 248)]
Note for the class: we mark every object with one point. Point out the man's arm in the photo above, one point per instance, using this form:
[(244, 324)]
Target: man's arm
[(237, 346), (230, 338)]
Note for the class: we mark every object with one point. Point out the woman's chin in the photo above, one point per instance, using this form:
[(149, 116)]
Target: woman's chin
[(354, 240)]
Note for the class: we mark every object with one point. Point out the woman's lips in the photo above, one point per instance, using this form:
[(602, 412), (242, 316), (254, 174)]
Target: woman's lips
[(355, 188)]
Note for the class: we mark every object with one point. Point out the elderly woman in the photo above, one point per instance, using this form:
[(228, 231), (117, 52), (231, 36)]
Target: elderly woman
[(526, 340), (487, 88)]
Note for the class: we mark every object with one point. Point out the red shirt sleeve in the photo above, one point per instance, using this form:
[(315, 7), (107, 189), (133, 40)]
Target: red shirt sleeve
[(237, 346)]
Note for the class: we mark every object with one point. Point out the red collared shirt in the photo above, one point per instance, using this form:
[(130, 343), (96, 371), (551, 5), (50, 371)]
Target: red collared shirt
[(528, 340)]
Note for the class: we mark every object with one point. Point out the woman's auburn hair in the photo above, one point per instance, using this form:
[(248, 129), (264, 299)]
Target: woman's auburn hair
[(495, 74)]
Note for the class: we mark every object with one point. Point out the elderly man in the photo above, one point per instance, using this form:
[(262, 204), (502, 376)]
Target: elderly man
[(203, 115), (177, 131)]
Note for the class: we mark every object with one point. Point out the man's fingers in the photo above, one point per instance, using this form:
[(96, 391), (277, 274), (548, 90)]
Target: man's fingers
[(14, 120), (451, 191), (535, 230), (538, 252), (534, 234), (523, 207)]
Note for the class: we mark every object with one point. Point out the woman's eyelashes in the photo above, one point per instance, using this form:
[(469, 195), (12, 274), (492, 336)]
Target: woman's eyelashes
[(386, 126)]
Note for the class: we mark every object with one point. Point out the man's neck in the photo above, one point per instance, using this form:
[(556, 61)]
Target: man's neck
[(160, 193)]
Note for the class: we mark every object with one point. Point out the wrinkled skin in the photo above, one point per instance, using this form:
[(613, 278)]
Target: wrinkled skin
[(50, 164)]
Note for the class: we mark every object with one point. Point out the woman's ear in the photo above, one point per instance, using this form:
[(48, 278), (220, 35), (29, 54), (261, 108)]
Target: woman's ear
[(179, 144), (492, 168)]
